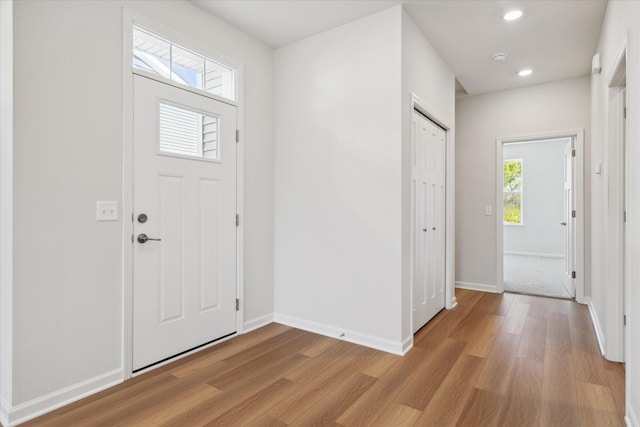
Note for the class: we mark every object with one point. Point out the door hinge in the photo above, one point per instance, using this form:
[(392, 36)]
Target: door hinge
[(624, 113), (573, 274), (573, 213), (624, 216), (237, 304), (573, 152), (132, 238), (237, 220), (237, 135), (624, 319)]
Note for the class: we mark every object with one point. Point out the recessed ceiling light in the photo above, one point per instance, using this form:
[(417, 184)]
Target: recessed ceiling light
[(526, 72), (513, 15), (499, 57)]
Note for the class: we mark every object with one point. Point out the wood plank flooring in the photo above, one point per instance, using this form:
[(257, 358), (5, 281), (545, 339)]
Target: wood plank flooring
[(494, 360)]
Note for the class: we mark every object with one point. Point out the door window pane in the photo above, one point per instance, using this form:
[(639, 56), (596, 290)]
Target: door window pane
[(188, 133)]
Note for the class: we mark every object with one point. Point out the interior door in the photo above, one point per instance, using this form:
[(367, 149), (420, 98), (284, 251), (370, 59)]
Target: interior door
[(184, 284), (568, 220), (428, 230)]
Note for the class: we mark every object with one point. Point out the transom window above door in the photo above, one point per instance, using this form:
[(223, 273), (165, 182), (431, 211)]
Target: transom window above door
[(164, 58)]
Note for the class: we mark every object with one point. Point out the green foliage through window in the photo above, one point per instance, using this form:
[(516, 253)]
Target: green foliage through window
[(512, 192)]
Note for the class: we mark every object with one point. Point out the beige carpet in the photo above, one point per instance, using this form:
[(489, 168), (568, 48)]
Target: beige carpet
[(535, 276)]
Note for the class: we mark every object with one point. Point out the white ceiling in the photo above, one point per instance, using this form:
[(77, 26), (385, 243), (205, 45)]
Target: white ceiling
[(554, 38)]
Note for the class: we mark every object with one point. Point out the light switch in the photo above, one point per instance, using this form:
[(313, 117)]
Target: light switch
[(107, 211), (488, 210)]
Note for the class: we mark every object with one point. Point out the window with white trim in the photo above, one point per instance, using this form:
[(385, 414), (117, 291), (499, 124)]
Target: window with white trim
[(512, 191), (164, 58)]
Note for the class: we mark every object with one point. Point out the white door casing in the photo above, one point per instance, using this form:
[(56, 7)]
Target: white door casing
[(184, 286), (428, 225), (568, 220), (577, 187)]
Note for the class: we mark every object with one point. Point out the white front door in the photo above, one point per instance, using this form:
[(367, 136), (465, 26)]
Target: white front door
[(568, 220), (184, 283), (428, 232)]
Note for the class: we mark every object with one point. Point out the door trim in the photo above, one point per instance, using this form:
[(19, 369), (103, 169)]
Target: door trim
[(128, 19), (614, 195), (449, 272), (578, 136)]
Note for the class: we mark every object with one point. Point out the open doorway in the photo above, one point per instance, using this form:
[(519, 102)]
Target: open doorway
[(539, 215), (537, 205)]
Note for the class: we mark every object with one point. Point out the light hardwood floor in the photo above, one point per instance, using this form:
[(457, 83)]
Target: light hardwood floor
[(494, 360)]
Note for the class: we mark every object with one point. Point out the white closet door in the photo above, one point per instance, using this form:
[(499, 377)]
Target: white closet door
[(428, 242)]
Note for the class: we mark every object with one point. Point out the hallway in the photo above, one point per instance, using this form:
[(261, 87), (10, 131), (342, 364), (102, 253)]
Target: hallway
[(494, 360)]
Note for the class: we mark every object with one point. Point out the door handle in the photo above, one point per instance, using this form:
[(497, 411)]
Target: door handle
[(142, 238), (563, 223)]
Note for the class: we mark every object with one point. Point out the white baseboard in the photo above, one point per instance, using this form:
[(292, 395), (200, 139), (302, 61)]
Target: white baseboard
[(477, 287), (630, 419), (453, 303), (597, 326), (54, 400), (5, 407), (258, 322), (394, 347), (534, 254), (407, 344)]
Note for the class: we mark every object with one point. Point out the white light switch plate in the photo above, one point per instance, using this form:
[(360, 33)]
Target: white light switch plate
[(107, 211), (488, 211)]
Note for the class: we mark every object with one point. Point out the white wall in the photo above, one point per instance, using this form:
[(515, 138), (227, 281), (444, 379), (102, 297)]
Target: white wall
[(622, 20), (543, 199), (338, 254), (6, 208), (68, 154), (480, 119), (426, 75)]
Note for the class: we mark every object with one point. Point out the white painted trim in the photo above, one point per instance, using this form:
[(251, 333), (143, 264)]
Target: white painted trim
[(5, 408), (394, 347), (631, 419), (580, 218), (578, 186), (258, 322), (240, 197), (127, 194), (614, 184), (49, 402), (534, 254), (596, 326), (454, 302), (407, 344), (128, 18), (6, 208), (450, 170), (499, 211), (478, 287)]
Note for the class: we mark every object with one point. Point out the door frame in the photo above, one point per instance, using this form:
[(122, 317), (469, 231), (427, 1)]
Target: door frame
[(449, 271), (578, 186), (617, 264), (129, 17)]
